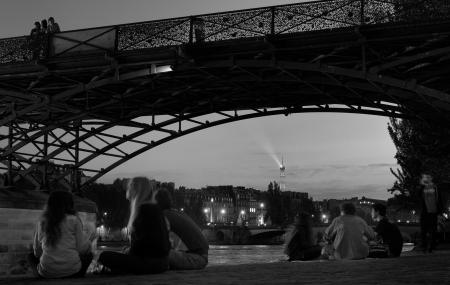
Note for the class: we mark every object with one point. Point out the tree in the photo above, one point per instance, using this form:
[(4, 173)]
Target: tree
[(420, 148)]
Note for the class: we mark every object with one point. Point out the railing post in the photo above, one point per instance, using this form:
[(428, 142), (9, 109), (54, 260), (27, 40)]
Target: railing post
[(363, 16), (76, 173), (272, 21), (116, 40), (191, 30), (10, 156)]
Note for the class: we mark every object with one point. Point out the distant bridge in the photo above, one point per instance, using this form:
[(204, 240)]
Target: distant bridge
[(80, 108)]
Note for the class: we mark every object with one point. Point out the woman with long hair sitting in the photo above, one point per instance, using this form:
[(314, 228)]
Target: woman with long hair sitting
[(149, 237), (60, 247)]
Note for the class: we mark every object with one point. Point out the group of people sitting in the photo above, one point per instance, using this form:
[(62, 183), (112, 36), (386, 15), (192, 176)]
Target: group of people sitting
[(347, 237), (160, 238), (39, 36)]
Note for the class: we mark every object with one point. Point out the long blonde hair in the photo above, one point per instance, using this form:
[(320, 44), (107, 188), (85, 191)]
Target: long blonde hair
[(140, 190)]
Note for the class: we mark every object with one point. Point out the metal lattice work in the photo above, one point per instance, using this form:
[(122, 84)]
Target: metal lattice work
[(251, 23), (105, 95)]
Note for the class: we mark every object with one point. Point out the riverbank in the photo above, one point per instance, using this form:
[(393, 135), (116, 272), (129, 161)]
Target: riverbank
[(413, 268)]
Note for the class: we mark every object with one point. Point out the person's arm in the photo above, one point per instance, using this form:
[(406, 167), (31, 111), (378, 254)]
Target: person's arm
[(37, 246), (83, 244), (329, 232), (368, 231)]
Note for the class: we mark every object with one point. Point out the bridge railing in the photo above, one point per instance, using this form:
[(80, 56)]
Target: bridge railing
[(250, 23)]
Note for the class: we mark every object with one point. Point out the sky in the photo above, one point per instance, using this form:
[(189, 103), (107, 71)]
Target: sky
[(326, 155)]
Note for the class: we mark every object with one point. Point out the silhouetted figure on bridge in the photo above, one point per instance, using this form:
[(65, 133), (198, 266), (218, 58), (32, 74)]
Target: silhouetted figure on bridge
[(300, 245), (35, 40), (53, 27)]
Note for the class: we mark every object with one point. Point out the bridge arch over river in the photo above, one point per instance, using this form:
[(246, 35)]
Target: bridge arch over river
[(105, 95)]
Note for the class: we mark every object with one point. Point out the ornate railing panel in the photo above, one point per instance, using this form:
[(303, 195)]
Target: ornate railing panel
[(15, 50), (153, 34), (284, 19)]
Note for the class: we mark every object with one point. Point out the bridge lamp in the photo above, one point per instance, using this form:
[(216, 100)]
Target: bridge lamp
[(160, 69)]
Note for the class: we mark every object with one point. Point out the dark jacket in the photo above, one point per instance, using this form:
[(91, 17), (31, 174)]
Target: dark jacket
[(150, 236)]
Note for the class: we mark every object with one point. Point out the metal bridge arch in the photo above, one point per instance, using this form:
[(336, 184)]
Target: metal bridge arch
[(350, 56)]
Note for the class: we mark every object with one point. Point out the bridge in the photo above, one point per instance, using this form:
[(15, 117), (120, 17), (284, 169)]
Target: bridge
[(95, 98)]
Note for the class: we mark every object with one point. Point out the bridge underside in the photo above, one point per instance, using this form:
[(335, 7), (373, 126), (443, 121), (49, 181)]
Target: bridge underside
[(88, 113)]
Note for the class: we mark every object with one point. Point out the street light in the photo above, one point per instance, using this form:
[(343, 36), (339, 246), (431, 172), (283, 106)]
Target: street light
[(206, 210), (242, 212), (262, 205)]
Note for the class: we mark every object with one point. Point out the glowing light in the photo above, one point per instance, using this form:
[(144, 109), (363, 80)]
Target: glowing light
[(160, 69), (212, 200), (324, 216), (105, 214), (182, 209), (223, 211), (407, 221), (206, 210), (399, 221), (242, 212), (262, 205)]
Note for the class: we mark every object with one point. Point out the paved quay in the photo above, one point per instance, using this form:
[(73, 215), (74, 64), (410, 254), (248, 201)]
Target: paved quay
[(413, 269)]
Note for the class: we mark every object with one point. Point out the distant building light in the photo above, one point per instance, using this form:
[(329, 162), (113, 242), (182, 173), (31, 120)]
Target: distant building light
[(399, 221), (182, 209), (242, 212), (206, 210), (105, 214), (212, 200), (262, 205), (223, 211), (407, 221)]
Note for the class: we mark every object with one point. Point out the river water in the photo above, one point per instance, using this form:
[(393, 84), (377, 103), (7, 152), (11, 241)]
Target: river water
[(244, 254)]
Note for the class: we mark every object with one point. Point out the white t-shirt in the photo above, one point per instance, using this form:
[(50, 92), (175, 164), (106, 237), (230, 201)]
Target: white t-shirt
[(62, 259)]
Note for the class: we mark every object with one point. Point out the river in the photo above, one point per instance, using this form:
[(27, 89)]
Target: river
[(244, 254)]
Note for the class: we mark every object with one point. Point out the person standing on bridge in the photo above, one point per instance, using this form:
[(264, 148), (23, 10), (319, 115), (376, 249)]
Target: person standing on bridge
[(149, 237), (53, 27), (35, 40)]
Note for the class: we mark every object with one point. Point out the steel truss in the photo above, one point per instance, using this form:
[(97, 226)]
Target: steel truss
[(71, 118)]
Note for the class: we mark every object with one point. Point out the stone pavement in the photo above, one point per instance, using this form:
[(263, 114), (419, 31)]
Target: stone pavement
[(413, 269)]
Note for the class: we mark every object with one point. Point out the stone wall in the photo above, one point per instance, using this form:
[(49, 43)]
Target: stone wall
[(19, 213)]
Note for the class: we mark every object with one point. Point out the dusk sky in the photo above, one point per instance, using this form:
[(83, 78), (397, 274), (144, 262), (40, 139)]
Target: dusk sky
[(327, 155)]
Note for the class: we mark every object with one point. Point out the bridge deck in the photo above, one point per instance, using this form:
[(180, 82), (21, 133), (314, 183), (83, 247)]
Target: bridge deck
[(416, 269)]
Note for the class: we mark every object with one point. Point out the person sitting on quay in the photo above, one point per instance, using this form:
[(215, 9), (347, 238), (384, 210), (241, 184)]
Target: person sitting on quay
[(189, 246), (53, 27), (389, 236), (348, 235), (300, 245), (149, 238), (60, 248)]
